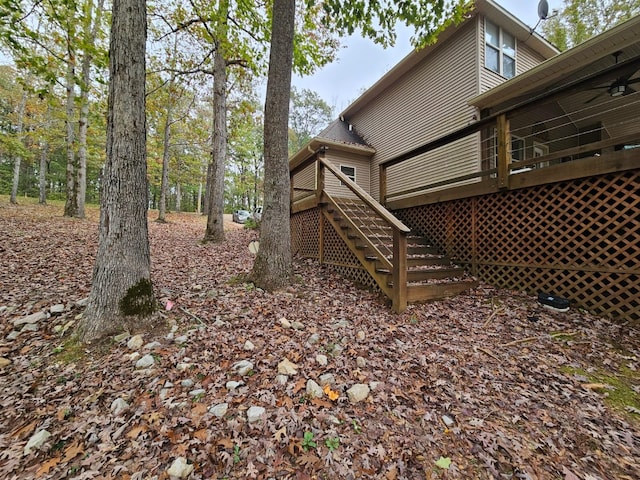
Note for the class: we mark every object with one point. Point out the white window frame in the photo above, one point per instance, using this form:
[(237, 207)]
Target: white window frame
[(351, 177), (500, 49)]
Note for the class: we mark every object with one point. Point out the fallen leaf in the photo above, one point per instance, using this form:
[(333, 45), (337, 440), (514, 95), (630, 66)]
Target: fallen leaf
[(47, 466), (444, 463), (333, 395), (202, 434), (73, 450), (225, 443), (25, 430), (135, 431), (278, 435)]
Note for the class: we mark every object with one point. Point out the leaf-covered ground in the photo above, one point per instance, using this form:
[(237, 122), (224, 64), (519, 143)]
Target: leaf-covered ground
[(485, 385)]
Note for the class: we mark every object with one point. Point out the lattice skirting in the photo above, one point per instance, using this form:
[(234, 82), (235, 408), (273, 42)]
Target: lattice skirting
[(579, 239), (305, 234)]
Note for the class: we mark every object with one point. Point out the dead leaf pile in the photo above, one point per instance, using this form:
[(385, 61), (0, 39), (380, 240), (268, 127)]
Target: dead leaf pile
[(485, 385)]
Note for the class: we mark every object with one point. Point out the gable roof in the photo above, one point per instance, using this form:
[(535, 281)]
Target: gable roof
[(489, 9)]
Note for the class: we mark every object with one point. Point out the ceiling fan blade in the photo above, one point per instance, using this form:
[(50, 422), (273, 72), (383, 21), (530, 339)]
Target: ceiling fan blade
[(635, 80), (594, 98)]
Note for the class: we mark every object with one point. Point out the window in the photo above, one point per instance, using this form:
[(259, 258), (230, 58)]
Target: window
[(517, 149), (349, 172), (500, 50)]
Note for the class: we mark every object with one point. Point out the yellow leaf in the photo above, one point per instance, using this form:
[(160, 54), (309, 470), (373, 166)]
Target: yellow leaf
[(330, 393), (279, 434), (135, 431), (46, 466)]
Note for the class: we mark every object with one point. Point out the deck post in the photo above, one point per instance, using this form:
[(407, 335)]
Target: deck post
[(399, 271), (320, 177), (383, 184), (504, 150)]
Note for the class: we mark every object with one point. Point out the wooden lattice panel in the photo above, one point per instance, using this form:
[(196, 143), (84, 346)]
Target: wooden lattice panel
[(305, 233), (580, 239)]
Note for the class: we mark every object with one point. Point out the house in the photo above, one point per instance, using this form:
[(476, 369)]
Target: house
[(488, 150)]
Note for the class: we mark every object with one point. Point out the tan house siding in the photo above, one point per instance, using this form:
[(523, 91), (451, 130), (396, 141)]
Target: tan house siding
[(362, 165), (303, 180), (427, 102)]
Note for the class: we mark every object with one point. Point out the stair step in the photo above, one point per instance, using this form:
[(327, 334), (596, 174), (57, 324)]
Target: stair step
[(434, 274), (436, 291)]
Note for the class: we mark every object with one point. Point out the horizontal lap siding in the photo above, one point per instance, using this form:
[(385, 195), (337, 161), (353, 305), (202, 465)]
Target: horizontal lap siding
[(428, 102), (362, 165)]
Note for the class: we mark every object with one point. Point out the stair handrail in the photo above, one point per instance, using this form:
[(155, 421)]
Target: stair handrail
[(400, 231), (386, 215)]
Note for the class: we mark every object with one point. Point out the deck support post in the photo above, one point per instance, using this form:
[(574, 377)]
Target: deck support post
[(504, 150), (399, 271), (320, 180), (383, 184)]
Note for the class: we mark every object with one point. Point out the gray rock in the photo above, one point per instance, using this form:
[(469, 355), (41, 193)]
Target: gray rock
[(219, 323), (282, 379), (3, 308), (255, 413), (29, 327), (57, 309), (358, 392), (322, 360), (36, 441), (197, 391), (297, 325), (361, 362), (219, 410), (232, 385), (341, 324), (284, 323), (242, 367), (361, 336), (13, 335), (135, 342), (182, 339), (313, 339), (248, 346), (164, 393), (152, 346), (314, 390), (187, 383), (118, 406), (82, 302), (30, 319), (180, 468), (118, 338), (375, 385), (448, 421), (286, 367), (327, 379), (145, 361), (182, 366)]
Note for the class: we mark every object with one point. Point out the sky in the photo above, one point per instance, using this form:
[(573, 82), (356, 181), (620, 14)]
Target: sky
[(361, 62)]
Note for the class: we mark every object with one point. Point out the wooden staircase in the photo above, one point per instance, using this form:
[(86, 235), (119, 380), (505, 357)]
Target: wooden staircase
[(426, 274)]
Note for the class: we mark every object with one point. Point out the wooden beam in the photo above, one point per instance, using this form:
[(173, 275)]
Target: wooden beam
[(504, 150), (383, 184), (399, 299)]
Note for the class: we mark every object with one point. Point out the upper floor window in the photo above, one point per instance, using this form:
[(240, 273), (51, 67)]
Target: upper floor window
[(500, 50)]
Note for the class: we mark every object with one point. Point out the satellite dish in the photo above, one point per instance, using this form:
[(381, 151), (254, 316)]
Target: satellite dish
[(543, 9)]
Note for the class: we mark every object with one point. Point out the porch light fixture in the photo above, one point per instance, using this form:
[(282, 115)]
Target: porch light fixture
[(617, 90)]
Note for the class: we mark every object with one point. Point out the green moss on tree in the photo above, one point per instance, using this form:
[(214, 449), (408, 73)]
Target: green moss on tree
[(139, 300)]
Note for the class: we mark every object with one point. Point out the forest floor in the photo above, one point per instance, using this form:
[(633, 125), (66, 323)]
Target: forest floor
[(320, 381)]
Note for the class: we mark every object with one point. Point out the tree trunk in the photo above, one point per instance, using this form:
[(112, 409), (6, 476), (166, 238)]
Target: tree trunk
[(122, 294), (71, 205), (272, 267), (164, 184), (42, 174), (18, 159), (215, 211), (90, 34), (178, 197), (198, 206)]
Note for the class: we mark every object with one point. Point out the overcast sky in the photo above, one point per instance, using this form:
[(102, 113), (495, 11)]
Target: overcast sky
[(361, 63)]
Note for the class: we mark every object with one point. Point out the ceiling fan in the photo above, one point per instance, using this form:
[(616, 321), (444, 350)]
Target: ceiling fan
[(620, 86)]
